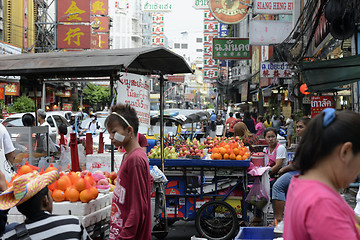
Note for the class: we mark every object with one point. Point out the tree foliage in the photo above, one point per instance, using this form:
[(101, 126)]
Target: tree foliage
[(23, 104), (96, 95)]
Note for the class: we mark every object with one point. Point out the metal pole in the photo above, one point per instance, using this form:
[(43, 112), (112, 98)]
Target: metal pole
[(112, 157), (43, 95), (35, 96)]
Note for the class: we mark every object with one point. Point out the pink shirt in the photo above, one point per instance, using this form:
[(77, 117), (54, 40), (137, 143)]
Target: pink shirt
[(130, 209), (260, 128), (315, 211)]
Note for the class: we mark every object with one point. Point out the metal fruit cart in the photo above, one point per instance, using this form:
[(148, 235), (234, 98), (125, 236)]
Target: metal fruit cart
[(201, 190)]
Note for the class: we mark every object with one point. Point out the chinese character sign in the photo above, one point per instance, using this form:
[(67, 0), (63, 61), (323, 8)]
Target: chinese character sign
[(231, 48), (100, 24), (319, 103), (73, 11), (135, 91), (275, 70), (73, 36), (99, 7), (100, 41)]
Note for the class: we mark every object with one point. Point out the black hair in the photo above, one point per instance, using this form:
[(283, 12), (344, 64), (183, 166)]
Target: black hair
[(275, 117), (93, 115), (28, 120), (231, 114), (63, 129), (268, 119), (246, 115), (261, 119), (304, 120), (31, 207), (237, 115), (127, 112), (270, 129), (318, 141)]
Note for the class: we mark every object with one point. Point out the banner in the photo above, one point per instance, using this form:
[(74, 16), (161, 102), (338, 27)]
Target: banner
[(275, 70), (100, 24), (273, 7), (73, 36), (319, 103), (135, 90), (231, 48), (73, 11), (99, 7), (100, 41)]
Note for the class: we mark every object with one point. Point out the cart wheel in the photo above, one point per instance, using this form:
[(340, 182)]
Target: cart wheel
[(216, 220), (159, 230)]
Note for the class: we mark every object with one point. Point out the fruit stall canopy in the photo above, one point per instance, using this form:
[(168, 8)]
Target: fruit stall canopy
[(323, 75), (94, 63)]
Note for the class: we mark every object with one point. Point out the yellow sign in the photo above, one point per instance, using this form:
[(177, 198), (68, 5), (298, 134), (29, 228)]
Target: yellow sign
[(74, 11), (74, 33)]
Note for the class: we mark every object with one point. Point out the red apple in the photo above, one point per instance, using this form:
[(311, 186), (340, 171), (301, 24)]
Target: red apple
[(113, 176)]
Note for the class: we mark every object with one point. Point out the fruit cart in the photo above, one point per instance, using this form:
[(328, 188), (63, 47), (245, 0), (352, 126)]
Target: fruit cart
[(202, 190)]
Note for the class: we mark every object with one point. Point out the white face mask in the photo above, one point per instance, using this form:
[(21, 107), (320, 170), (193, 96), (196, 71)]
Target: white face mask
[(119, 137), (92, 119)]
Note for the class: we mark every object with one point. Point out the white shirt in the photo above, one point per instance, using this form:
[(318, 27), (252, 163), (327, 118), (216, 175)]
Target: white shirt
[(281, 153), (92, 126), (8, 145), (46, 124)]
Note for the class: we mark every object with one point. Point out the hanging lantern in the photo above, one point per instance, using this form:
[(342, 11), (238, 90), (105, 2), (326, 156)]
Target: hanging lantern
[(303, 89)]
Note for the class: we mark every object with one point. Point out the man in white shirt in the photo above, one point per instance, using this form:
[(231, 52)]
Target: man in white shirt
[(93, 125), (41, 114), (8, 145)]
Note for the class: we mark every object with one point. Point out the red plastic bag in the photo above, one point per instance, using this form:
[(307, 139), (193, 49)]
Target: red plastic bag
[(257, 195)]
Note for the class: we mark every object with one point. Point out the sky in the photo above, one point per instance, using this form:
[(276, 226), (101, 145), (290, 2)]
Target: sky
[(183, 18)]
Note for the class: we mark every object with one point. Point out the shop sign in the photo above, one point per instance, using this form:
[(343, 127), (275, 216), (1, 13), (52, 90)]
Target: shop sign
[(100, 41), (210, 73), (319, 103), (268, 32), (157, 6), (11, 89), (201, 4), (273, 6), (63, 93), (209, 62), (208, 50), (134, 90), (158, 18), (100, 24), (176, 78), (210, 26), (73, 36), (189, 96), (157, 40), (99, 7), (322, 30), (157, 29), (231, 48), (244, 91), (255, 63), (73, 11), (208, 16), (67, 107), (275, 70), (230, 13), (223, 30), (2, 93)]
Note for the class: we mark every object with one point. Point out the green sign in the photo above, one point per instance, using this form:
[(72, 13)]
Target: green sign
[(201, 4), (231, 48)]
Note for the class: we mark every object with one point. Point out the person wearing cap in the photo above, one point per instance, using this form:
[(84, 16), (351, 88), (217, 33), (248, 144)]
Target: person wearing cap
[(130, 210), (31, 196), (92, 126)]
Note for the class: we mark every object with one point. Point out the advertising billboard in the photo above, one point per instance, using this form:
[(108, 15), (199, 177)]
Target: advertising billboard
[(73, 11), (73, 36)]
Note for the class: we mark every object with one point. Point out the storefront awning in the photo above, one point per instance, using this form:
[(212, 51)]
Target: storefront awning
[(328, 74)]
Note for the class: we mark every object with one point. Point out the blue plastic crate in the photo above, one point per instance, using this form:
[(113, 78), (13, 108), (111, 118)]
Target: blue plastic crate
[(254, 233)]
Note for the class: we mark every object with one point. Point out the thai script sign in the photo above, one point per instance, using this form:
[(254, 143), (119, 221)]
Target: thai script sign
[(99, 7), (157, 6), (135, 90), (275, 70), (73, 11), (230, 12), (73, 36), (319, 103), (273, 6), (201, 4), (231, 48), (268, 32)]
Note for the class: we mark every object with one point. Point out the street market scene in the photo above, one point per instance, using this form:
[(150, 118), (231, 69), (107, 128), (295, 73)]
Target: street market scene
[(180, 120)]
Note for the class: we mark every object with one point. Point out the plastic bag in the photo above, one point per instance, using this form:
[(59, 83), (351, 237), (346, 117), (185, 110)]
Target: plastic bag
[(157, 174), (257, 195), (65, 157)]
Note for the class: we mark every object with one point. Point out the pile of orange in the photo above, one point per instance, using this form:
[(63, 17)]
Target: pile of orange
[(229, 150)]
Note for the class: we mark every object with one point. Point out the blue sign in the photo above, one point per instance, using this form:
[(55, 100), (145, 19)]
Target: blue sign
[(223, 30)]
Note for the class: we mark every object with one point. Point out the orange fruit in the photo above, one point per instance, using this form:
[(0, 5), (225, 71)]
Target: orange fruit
[(94, 192), (72, 195), (89, 178), (58, 195), (86, 196), (25, 169), (238, 157), (226, 156), (63, 183), (80, 185), (212, 156), (215, 150), (241, 152), (227, 146), (51, 168), (247, 154), (232, 156), (244, 157), (73, 177), (236, 151), (223, 150)]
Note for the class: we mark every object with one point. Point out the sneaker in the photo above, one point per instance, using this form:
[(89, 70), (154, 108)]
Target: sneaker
[(279, 227)]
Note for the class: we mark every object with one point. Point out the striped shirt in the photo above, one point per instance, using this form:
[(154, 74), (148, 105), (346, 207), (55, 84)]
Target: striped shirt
[(53, 227)]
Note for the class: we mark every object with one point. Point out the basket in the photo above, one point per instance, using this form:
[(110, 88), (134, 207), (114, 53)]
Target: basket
[(258, 159)]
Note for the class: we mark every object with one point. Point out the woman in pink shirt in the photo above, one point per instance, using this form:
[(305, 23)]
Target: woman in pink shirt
[(329, 160)]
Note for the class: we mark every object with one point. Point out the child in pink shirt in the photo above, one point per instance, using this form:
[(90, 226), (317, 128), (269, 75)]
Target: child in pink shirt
[(329, 160)]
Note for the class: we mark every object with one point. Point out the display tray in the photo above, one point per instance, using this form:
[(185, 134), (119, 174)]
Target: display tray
[(183, 162)]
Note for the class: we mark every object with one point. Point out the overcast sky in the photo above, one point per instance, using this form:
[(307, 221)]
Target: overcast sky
[(183, 18)]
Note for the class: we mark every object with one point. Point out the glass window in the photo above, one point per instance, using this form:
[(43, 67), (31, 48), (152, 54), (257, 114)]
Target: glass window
[(199, 40), (176, 45), (50, 121), (199, 50), (184, 46), (12, 122)]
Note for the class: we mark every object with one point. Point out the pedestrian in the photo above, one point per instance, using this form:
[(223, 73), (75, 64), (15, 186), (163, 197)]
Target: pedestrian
[(9, 149), (290, 129), (276, 123), (267, 122), (41, 114), (219, 123), (281, 185), (230, 122), (238, 117), (249, 122), (42, 141), (249, 139), (31, 196), (212, 124), (92, 126), (329, 160), (28, 120), (260, 127), (62, 130), (130, 211)]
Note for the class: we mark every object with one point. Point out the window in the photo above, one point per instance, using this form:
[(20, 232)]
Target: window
[(176, 45), (184, 46), (199, 50), (199, 40), (50, 121)]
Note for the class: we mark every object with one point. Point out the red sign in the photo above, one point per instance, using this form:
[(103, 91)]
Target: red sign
[(73, 11), (100, 41), (158, 18), (230, 12), (100, 24), (176, 78), (73, 36), (67, 107), (11, 89), (2, 93), (319, 103), (99, 7)]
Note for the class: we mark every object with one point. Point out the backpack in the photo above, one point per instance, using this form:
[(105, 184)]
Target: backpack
[(97, 125)]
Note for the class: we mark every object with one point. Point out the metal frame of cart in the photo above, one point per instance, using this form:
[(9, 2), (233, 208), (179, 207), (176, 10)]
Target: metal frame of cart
[(194, 193)]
